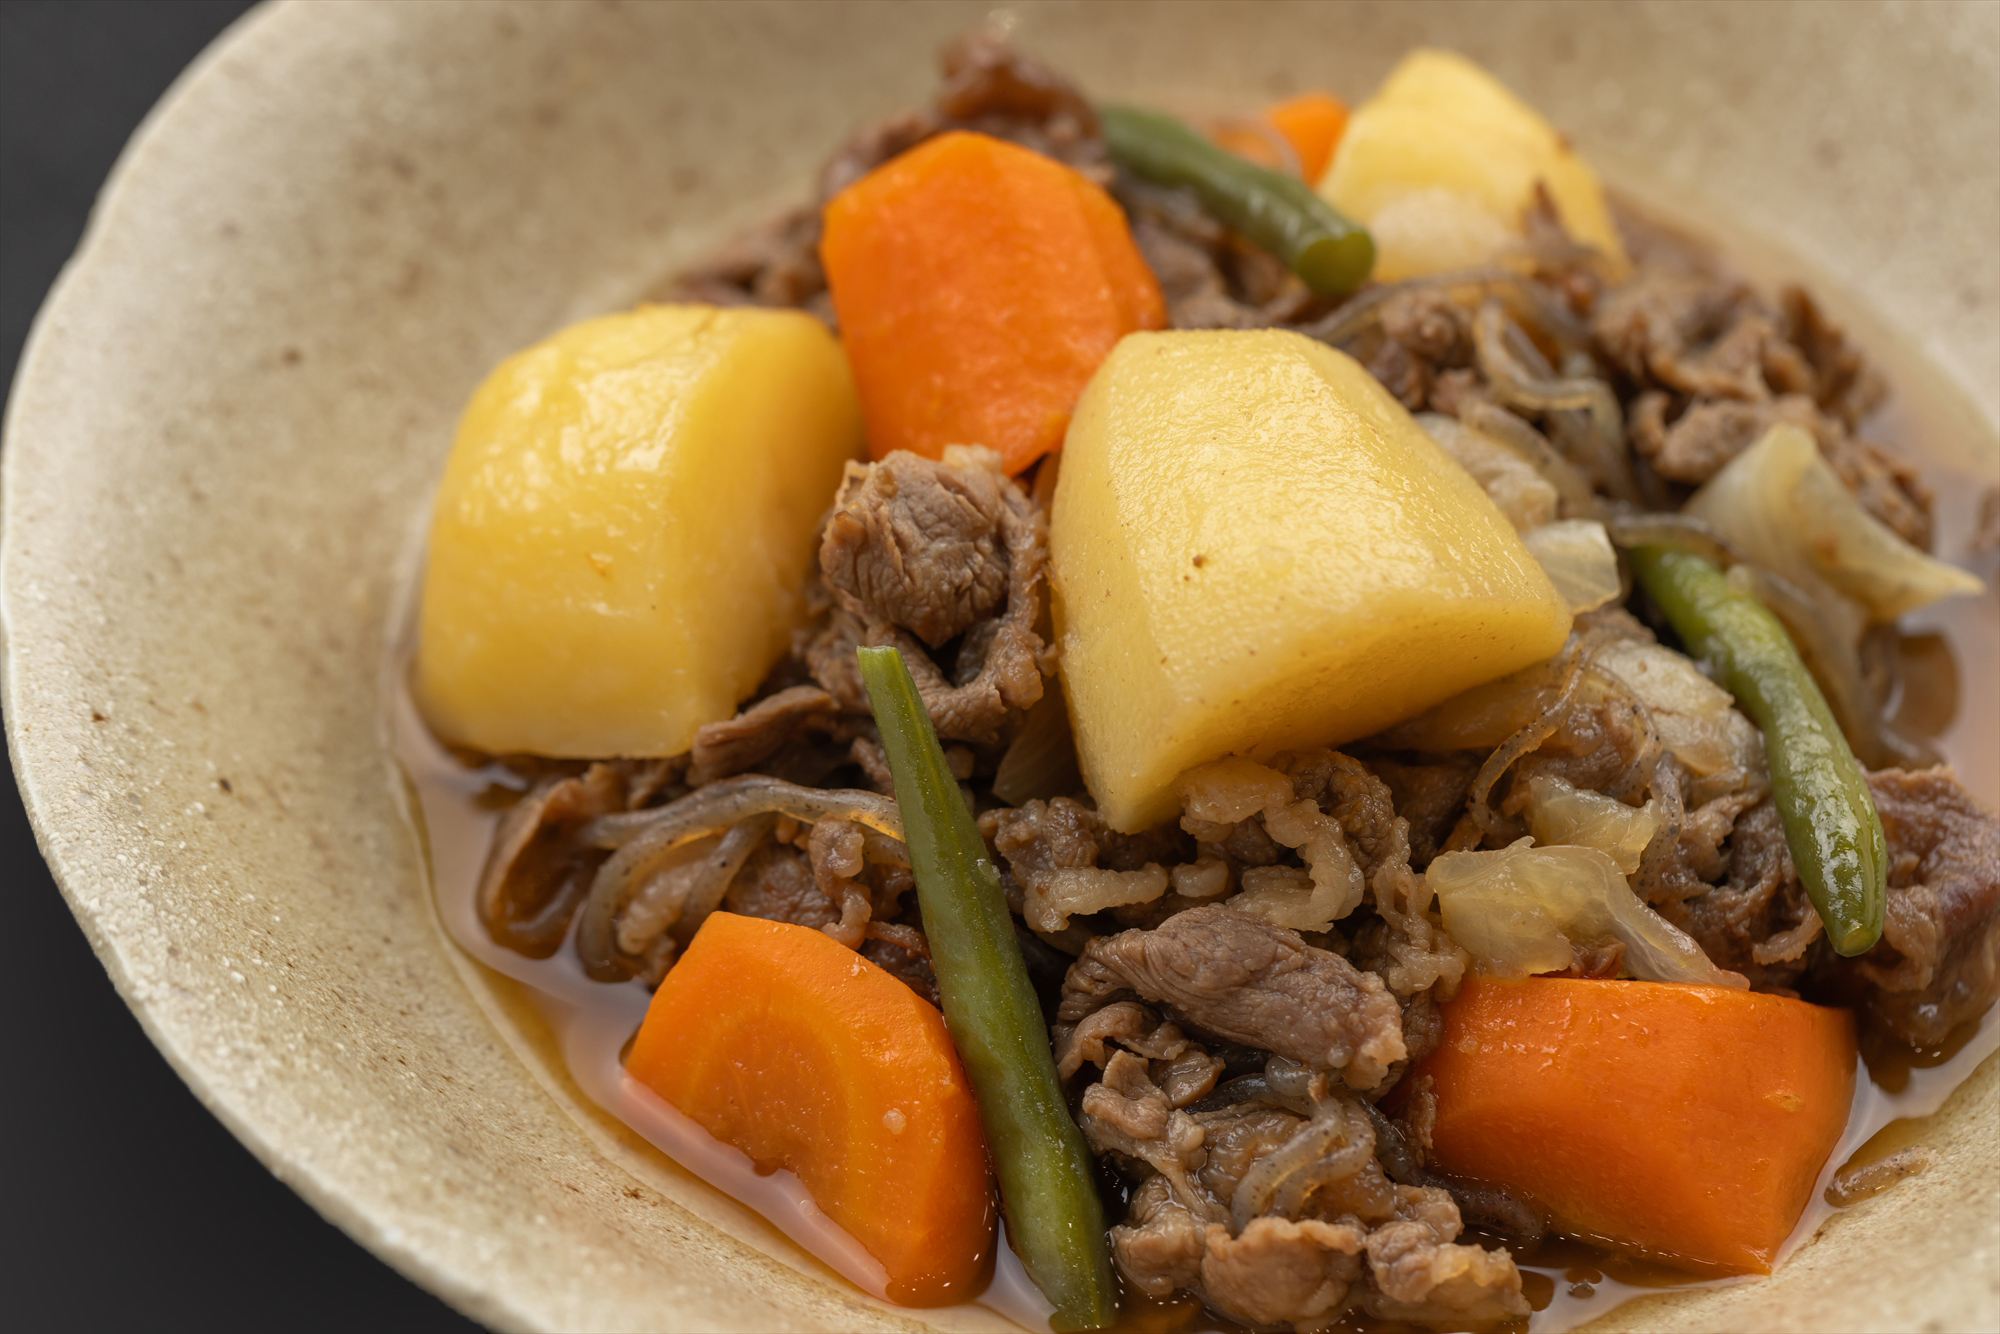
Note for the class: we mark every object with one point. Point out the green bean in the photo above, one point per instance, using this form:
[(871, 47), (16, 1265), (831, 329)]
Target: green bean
[(1280, 213), (1047, 1188), (1823, 800)]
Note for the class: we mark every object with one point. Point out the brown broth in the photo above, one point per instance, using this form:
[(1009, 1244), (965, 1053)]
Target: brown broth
[(579, 1027)]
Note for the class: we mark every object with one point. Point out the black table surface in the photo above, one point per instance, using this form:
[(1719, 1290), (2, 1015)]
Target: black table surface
[(124, 1204)]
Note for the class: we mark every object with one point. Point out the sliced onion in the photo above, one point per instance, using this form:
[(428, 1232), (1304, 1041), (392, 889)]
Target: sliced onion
[(1524, 910), (1785, 509), (1562, 814), (1824, 567), (1696, 718), (1579, 560), (1508, 362)]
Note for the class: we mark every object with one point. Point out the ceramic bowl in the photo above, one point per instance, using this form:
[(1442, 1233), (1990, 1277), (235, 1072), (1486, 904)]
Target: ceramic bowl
[(222, 438)]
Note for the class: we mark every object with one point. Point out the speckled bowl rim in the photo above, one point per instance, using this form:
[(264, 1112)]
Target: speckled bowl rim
[(38, 620)]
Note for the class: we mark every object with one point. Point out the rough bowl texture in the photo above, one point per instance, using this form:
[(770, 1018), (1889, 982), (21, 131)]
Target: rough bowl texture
[(222, 437)]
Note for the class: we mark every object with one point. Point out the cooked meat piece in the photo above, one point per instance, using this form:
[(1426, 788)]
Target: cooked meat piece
[(868, 756), (1713, 431), (1235, 1137), (1429, 325), (1188, 1077), (1125, 1114), (1421, 1275), (1429, 797), (918, 544), (773, 264), (538, 871), (1185, 263), (1938, 962), (1842, 383), (1604, 744), (777, 885), (1423, 1026), (994, 89), (1361, 802), (912, 970), (1129, 1024), (1453, 391), (918, 552), (1887, 487), (1757, 921), (827, 648), (1336, 1236), (834, 848), (1159, 1246), (1038, 839), (1404, 375), (1245, 980), (1698, 333), (1280, 1271), (731, 747)]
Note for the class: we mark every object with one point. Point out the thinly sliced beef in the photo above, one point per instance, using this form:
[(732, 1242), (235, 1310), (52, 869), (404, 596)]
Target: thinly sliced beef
[(1711, 432), (777, 884), (758, 732), (1757, 921), (1430, 796), (1273, 1217), (918, 553), (1698, 333), (1938, 963), (1245, 980), (919, 544)]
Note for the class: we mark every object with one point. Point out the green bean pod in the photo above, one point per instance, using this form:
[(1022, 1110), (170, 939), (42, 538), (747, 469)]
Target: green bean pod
[(1279, 213), (1822, 797), (1047, 1187)]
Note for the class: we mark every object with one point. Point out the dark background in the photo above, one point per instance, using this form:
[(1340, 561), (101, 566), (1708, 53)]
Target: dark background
[(123, 1203)]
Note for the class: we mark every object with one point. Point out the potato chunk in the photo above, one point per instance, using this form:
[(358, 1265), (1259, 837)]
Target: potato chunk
[(1441, 162), (1255, 548), (623, 528)]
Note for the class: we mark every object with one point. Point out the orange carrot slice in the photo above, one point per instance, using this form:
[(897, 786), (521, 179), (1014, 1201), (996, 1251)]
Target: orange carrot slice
[(1312, 123), (1685, 1122), (781, 1041), (978, 285)]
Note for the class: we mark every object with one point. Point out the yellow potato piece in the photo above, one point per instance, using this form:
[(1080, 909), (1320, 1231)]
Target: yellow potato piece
[(1255, 548), (623, 528), (1441, 162)]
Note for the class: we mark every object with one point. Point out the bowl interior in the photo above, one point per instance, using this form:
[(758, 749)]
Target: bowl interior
[(220, 445)]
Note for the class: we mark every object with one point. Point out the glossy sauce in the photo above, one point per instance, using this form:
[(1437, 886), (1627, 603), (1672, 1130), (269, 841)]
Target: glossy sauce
[(584, 1025)]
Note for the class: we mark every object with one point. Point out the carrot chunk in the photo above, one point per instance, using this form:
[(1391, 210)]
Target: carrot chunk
[(978, 285), (1312, 123), (779, 1040), (1685, 1122)]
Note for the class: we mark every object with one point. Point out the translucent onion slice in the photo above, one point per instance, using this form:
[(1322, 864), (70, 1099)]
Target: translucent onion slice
[(1696, 718), (1578, 557), (1561, 813), (1524, 910), (1785, 509)]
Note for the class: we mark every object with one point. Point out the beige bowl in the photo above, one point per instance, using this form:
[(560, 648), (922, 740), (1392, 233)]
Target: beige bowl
[(230, 414)]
